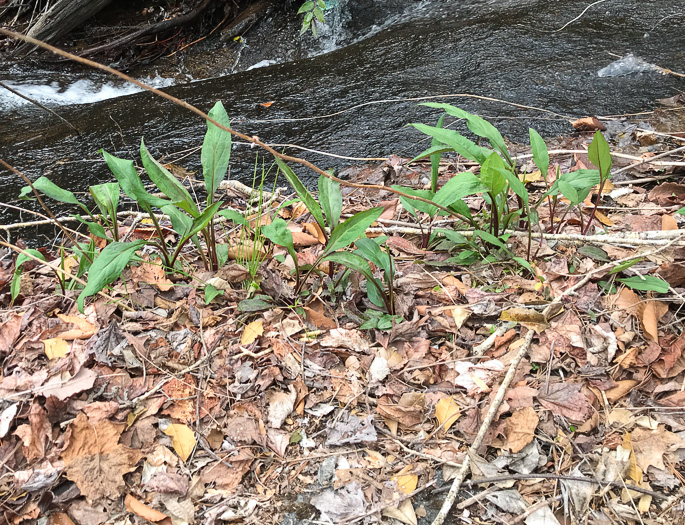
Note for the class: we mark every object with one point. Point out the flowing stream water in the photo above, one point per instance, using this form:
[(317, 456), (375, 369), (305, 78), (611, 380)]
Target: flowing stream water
[(349, 92)]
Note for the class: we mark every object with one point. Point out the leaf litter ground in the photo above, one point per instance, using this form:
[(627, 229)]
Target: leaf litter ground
[(177, 411)]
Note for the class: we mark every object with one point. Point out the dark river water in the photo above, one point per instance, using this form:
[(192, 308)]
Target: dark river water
[(508, 50)]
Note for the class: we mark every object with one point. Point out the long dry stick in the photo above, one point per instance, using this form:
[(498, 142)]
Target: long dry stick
[(254, 140), (478, 441)]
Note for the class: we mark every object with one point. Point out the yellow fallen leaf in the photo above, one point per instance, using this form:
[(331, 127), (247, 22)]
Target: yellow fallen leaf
[(55, 347), (530, 177), (182, 439), (404, 512), (252, 332), (406, 481), (447, 412)]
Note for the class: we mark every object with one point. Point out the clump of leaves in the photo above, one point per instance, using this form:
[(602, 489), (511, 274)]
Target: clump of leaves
[(313, 11)]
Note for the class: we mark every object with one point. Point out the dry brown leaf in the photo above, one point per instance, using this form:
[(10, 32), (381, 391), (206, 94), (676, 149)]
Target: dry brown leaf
[(37, 435), (668, 222), (520, 428), (668, 194), (406, 480), (404, 512), (588, 124), (318, 319), (622, 388), (651, 445), (251, 332), (147, 513), (648, 311), (95, 460), (9, 331), (409, 412), (152, 274), (567, 400), (84, 329), (60, 518), (531, 319), (226, 478)]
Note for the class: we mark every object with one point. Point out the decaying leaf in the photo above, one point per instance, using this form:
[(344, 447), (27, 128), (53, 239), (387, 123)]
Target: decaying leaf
[(251, 332), (447, 412), (182, 439)]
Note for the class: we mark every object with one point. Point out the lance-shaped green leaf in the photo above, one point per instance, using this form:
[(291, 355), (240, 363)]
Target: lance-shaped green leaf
[(599, 154), (371, 251), (352, 229), (216, 150), (412, 205), (491, 176), (167, 183), (107, 267), (647, 283), (127, 176), (478, 126), (49, 188), (93, 227), (465, 147), (278, 233), (540, 152), (303, 193), (352, 261), (199, 223), (19, 267), (458, 187), (106, 196), (330, 197), (180, 222)]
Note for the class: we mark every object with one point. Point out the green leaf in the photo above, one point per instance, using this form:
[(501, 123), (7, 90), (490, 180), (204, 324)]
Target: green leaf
[(516, 185), (321, 4), (568, 191), (435, 158), (303, 193), (256, 304), (307, 6), (371, 251), (646, 283), (593, 252), (234, 216), (330, 197), (456, 237), (167, 183), (127, 176), (93, 227), (211, 293), (352, 229), (318, 13), (107, 267), (599, 154), (540, 152), (491, 176), (412, 205), (200, 222), (681, 211), (373, 292), (458, 187), (49, 188), (216, 150), (478, 126), (465, 147), (488, 237), (351, 261), (624, 265), (308, 17), (106, 196), (180, 222), (18, 268), (278, 233)]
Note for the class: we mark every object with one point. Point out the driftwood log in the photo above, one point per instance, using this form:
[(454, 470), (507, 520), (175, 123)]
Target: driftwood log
[(60, 19)]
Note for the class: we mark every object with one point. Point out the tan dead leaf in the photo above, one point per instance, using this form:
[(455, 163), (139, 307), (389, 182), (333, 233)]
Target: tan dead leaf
[(300, 238), (9, 331), (520, 429), (404, 513), (84, 329), (251, 332), (588, 124), (606, 221), (147, 513), (650, 446), (315, 230), (281, 405), (375, 459), (409, 412), (389, 209), (404, 245), (63, 385), (623, 387), (226, 478), (528, 317), (246, 251), (567, 400), (668, 222), (37, 435), (55, 347), (673, 273), (182, 439), (152, 274), (60, 518), (460, 314), (318, 319), (447, 412), (648, 311), (668, 194), (95, 460)]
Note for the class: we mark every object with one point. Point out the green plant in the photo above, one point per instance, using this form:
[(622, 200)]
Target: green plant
[(19, 267), (313, 11), (187, 219)]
